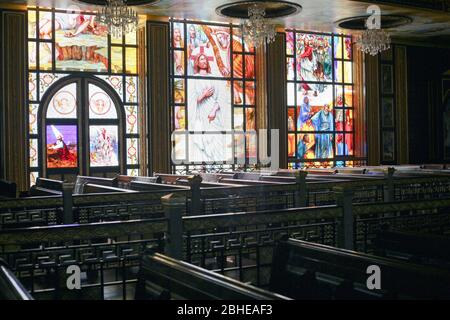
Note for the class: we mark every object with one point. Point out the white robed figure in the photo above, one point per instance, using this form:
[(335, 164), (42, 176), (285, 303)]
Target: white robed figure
[(209, 111)]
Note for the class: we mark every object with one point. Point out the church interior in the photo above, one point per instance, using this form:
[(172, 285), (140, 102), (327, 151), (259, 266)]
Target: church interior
[(225, 150)]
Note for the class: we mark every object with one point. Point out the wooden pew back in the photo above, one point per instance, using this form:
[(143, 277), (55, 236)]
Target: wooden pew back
[(40, 255), (8, 189), (298, 262), (424, 248), (162, 277)]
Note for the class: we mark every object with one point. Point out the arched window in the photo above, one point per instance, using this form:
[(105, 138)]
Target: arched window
[(82, 84), (81, 128)]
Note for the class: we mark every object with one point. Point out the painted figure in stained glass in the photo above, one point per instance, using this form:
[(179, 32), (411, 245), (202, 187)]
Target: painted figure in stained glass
[(103, 146), (209, 109), (323, 121), (305, 147), (61, 154), (178, 91), (180, 118), (80, 42), (216, 43), (349, 128), (314, 61), (177, 42), (305, 112), (341, 148)]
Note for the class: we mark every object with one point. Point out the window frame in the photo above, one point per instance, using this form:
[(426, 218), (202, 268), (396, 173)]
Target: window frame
[(83, 123)]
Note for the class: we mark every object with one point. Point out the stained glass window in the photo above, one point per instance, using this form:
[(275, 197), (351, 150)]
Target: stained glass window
[(319, 99), (213, 97), (74, 45)]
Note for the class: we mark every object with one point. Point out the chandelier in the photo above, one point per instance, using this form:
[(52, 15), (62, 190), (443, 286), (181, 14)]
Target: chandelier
[(373, 41), (257, 29), (118, 18)]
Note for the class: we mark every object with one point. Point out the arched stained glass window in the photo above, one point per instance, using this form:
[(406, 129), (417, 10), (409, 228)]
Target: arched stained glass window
[(103, 91), (81, 128)]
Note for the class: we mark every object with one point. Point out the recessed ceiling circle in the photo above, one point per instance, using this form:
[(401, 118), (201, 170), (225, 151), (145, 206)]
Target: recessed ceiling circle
[(387, 21), (274, 9), (128, 2)]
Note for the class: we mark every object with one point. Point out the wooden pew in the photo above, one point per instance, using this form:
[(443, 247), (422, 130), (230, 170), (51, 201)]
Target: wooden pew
[(8, 189), (302, 269), (147, 186), (422, 248), (96, 188), (83, 180), (46, 187), (10, 286), (108, 252), (170, 178), (163, 278)]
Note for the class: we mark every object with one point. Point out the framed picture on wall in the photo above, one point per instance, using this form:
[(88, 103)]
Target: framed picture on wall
[(388, 143), (387, 79), (387, 112)]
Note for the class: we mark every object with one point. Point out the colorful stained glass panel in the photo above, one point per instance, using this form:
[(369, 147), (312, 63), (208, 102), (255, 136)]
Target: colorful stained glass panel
[(82, 44), (63, 104), (33, 155), (315, 55), (45, 56), (61, 146), (101, 106), (132, 151), (32, 118), (180, 118), (250, 119), (103, 146), (116, 59), (209, 50), (131, 89), (32, 24), (32, 55), (179, 91), (209, 105), (178, 62), (131, 113), (131, 60), (178, 35), (238, 118)]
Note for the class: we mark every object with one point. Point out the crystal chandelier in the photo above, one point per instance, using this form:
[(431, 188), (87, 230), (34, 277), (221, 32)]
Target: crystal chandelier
[(118, 18), (257, 29), (373, 41)]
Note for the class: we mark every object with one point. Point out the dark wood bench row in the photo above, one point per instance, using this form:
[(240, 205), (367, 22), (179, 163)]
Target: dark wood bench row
[(416, 247), (163, 278), (8, 189), (10, 286), (46, 187), (305, 270)]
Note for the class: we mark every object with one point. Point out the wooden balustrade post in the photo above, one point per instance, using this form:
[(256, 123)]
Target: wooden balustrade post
[(301, 195), (389, 186), (174, 205), (194, 182), (344, 197), (67, 190)]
